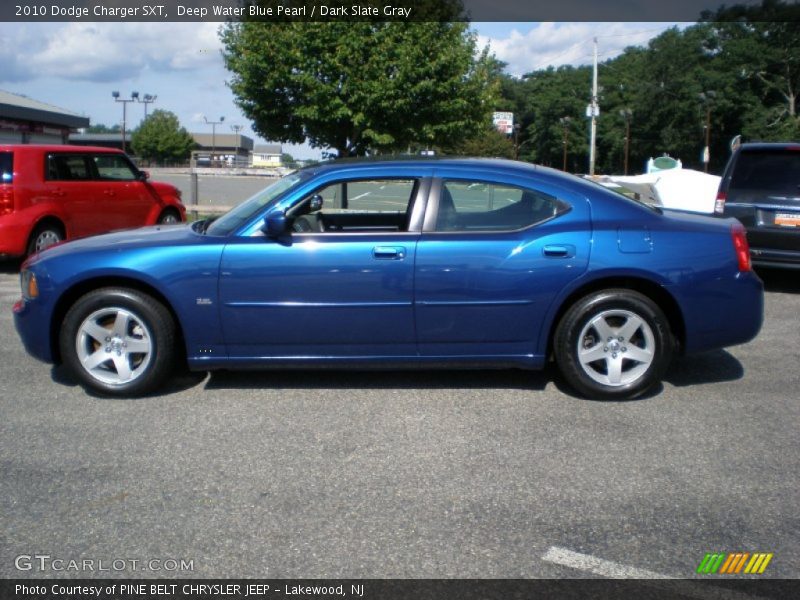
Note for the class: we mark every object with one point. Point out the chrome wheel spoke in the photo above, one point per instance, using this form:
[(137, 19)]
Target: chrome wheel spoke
[(95, 359), (96, 332), (592, 354), (614, 366), (122, 364), (641, 355), (121, 323), (602, 328), (137, 346), (630, 327)]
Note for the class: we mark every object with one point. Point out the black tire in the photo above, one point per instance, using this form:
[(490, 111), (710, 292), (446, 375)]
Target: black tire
[(139, 347), (44, 236), (624, 365), (169, 217)]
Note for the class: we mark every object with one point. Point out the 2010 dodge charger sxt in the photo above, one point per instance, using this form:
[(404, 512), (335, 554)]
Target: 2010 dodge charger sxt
[(402, 263)]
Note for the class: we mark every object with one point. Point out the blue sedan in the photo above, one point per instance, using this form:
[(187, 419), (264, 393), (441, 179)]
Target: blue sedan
[(397, 264)]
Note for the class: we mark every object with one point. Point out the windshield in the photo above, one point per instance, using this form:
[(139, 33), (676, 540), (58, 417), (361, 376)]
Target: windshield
[(238, 216)]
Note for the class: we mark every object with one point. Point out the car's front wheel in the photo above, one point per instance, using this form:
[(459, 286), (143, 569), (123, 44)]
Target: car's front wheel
[(169, 217), (118, 341), (613, 344)]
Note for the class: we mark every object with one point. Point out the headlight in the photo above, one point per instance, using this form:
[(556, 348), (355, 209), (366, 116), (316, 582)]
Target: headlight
[(30, 287)]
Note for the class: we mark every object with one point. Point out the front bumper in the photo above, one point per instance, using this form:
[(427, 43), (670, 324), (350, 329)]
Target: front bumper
[(33, 327)]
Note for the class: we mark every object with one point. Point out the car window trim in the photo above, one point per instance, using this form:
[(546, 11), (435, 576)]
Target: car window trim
[(418, 203), (429, 225)]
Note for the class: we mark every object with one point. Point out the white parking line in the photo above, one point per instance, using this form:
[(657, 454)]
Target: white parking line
[(613, 570)]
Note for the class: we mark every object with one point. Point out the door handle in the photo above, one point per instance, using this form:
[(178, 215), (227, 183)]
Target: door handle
[(388, 253), (59, 192), (559, 250), (109, 192)]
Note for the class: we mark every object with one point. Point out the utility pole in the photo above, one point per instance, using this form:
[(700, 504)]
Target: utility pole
[(594, 111), (627, 113), (565, 124)]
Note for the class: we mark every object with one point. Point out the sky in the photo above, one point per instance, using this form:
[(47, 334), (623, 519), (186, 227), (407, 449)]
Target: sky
[(77, 65)]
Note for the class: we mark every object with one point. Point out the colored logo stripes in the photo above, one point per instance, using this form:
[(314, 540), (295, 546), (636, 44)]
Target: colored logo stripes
[(734, 563)]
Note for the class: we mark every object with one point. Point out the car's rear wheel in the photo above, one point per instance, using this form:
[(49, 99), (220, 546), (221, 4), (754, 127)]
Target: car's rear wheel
[(169, 217), (118, 341), (44, 236), (613, 344)]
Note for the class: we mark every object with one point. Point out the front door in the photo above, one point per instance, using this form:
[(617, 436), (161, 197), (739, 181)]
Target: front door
[(339, 285)]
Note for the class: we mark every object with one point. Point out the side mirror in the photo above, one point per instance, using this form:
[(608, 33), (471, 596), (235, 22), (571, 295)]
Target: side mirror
[(144, 175), (315, 204), (275, 224)]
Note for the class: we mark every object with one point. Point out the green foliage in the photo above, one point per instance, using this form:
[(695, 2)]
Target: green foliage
[(746, 56), (360, 87), (100, 128), (161, 138), (487, 142)]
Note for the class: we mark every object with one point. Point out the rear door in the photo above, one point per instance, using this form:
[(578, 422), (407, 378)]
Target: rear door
[(493, 255), (70, 183)]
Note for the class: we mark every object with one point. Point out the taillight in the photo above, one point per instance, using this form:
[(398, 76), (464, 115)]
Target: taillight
[(6, 199), (719, 205), (741, 247)]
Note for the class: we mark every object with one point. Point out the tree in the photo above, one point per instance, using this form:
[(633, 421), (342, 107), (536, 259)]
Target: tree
[(101, 128), (487, 142), (161, 138), (760, 46), (360, 87)]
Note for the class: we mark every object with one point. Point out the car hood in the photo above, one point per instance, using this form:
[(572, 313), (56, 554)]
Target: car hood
[(163, 189), (143, 237)]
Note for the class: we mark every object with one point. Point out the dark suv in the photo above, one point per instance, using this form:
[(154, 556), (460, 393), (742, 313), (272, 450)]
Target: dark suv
[(761, 188)]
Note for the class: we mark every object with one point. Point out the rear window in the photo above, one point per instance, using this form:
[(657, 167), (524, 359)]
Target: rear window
[(774, 171), (6, 167)]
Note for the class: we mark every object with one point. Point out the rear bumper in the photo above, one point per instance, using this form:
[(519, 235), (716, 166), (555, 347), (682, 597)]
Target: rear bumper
[(723, 312), (769, 257), (771, 245)]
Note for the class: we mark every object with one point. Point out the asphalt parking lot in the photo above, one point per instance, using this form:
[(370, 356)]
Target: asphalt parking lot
[(406, 475)]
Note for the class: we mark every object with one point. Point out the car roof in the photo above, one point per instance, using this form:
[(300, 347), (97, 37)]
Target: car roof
[(510, 167), (757, 146), (57, 148)]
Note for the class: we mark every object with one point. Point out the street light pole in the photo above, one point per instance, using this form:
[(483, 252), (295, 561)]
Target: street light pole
[(147, 99), (134, 98), (213, 134)]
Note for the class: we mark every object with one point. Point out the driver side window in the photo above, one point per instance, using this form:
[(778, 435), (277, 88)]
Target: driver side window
[(355, 206)]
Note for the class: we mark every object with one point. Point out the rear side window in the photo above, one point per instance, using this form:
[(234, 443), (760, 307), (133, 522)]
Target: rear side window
[(775, 172), (482, 206), (6, 167), (67, 167)]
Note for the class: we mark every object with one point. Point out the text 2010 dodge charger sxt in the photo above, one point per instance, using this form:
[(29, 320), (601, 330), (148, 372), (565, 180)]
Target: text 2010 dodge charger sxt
[(403, 263)]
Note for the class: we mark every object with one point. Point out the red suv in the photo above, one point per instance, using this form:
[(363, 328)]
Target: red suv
[(54, 193)]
